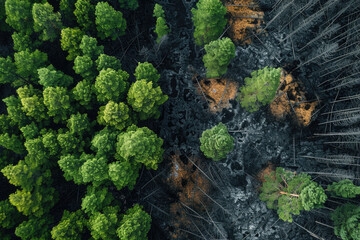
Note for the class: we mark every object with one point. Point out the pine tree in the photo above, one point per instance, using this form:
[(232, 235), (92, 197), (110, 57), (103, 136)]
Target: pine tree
[(109, 22), (19, 16), (70, 42), (346, 221), (344, 188), (147, 71)]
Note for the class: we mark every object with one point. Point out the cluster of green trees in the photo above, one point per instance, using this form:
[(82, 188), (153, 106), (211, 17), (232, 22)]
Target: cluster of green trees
[(289, 193), (84, 124), (161, 28)]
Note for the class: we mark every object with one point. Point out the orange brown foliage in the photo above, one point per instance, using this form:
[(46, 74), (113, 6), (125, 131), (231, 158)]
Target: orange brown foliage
[(290, 100), (266, 171), (186, 179), (218, 92), (243, 19)]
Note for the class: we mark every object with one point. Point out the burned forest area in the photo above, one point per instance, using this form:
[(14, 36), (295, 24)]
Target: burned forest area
[(136, 120)]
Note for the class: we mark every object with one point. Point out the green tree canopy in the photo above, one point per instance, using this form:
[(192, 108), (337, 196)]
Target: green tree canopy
[(135, 224), (103, 225), (30, 131), (18, 15), (109, 22), (70, 227), (209, 20), (85, 67), (95, 170), (35, 228), (344, 188), (105, 61), (50, 77), (147, 71), (69, 142), (79, 123), (51, 144), (140, 145), (84, 93), (114, 114), (216, 142), (57, 101), (85, 14), (8, 71), (111, 85), (46, 21), (145, 99), (22, 42), (104, 142), (96, 199), (346, 221), (218, 55), (9, 216), (260, 89), (161, 28), (15, 111), (90, 48), (123, 173), (12, 142), (32, 102), (67, 8), (158, 11), (27, 63), (70, 42), (71, 165)]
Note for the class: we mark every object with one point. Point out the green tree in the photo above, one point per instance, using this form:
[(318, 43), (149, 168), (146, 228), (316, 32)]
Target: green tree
[(83, 93), (70, 227), (135, 224), (22, 42), (90, 48), (85, 67), (161, 29), (124, 174), (30, 131), (15, 112), (218, 55), (111, 85), (35, 228), (78, 123), (85, 14), (105, 61), (3, 26), (114, 114), (46, 21), (19, 15), (57, 101), (147, 71), (8, 71), (344, 188), (37, 152), (346, 221), (209, 20), (260, 89), (32, 102), (12, 142), (145, 99), (9, 216), (50, 77), (27, 63), (96, 199), (103, 225), (51, 144), (67, 8), (109, 22), (140, 145), (95, 170), (71, 165), (70, 42), (289, 193), (158, 11), (104, 142), (129, 4), (70, 143), (216, 142)]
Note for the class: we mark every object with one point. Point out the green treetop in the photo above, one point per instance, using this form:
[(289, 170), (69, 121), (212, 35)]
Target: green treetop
[(51, 144), (8, 71), (9, 216), (216, 142), (289, 193), (109, 22), (32, 102), (70, 227), (3, 26), (135, 224), (12, 142), (346, 221), (57, 101), (69, 142), (83, 93), (50, 77), (260, 89), (114, 114), (27, 63), (158, 11), (129, 4), (90, 48), (161, 28), (46, 21), (70, 165), (123, 173), (344, 188), (96, 199), (104, 142), (95, 170), (140, 145), (18, 15), (67, 8), (70, 42), (85, 67), (15, 111), (103, 225), (79, 123), (145, 99), (111, 85), (30, 131), (147, 71), (218, 55), (85, 14), (22, 42), (35, 228), (209, 20), (105, 61)]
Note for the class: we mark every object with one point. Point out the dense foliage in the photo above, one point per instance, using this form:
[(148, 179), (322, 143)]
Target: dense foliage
[(216, 142), (218, 55), (260, 89), (161, 28), (209, 20), (346, 221)]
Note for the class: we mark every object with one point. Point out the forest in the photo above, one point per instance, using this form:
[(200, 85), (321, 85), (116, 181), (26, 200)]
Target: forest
[(180, 119)]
